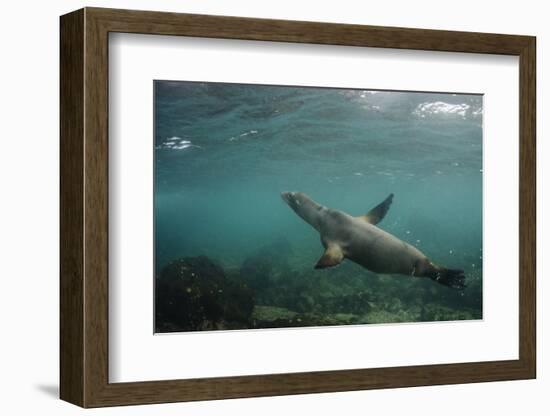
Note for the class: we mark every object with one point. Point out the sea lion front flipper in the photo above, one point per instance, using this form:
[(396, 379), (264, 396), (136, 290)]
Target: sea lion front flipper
[(375, 215), (332, 256)]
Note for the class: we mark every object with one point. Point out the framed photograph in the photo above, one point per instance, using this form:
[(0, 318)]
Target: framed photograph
[(255, 207)]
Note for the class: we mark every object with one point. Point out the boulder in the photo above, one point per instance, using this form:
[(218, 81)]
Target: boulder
[(193, 293)]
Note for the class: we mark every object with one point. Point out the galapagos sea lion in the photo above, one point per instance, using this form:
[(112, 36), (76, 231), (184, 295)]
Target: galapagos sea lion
[(361, 241)]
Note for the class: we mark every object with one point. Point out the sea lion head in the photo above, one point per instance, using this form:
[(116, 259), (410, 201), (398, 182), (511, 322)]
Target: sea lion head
[(295, 199), (304, 206)]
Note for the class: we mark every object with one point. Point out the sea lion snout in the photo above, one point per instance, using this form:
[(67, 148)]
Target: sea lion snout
[(291, 198), (286, 196)]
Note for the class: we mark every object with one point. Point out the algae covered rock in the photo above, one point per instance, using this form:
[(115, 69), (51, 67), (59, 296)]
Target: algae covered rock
[(272, 313), (386, 317), (193, 293), (256, 272), (267, 265), (436, 312), (277, 317)]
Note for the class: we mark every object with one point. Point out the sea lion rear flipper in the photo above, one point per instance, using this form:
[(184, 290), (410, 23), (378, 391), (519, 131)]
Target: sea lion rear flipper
[(332, 256), (453, 278), (375, 215)]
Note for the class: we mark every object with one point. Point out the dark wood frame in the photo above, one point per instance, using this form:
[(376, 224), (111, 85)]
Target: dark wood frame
[(84, 207)]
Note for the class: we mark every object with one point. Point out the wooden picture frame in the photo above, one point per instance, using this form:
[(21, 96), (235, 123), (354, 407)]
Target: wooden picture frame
[(84, 207)]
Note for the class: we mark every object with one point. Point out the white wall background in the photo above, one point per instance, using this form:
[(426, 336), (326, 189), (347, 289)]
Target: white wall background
[(29, 215)]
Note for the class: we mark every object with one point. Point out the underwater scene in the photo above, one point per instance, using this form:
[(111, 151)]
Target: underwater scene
[(285, 206)]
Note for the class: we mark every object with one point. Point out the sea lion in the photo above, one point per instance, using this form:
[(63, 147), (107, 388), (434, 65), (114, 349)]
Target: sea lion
[(361, 241)]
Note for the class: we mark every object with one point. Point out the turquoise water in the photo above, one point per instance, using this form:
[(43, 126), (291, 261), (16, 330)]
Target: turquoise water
[(225, 152)]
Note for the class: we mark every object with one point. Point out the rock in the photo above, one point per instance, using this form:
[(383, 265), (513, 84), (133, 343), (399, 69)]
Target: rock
[(256, 272), (436, 312), (193, 293), (384, 317), (391, 312), (276, 317), (271, 313), (267, 265), (350, 303), (345, 318)]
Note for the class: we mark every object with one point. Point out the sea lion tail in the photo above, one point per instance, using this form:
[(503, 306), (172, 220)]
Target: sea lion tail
[(453, 278)]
